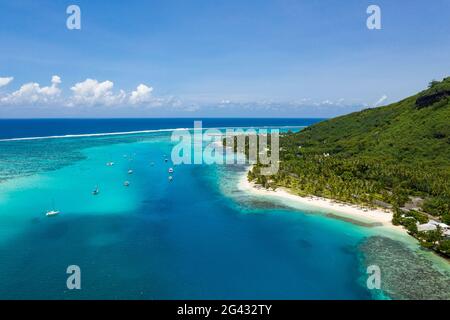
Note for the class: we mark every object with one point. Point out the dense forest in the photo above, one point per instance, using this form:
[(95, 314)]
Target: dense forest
[(396, 156)]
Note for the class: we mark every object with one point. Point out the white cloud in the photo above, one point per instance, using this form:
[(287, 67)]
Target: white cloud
[(89, 92), (56, 80), (31, 93), (327, 102), (5, 81), (53, 90), (92, 92), (142, 94), (192, 108), (380, 101)]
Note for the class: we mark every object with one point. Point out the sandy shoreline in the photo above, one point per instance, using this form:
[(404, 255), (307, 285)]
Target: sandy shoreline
[(376, 217)]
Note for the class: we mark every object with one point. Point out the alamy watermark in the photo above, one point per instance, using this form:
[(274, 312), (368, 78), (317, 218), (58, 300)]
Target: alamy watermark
[(374, 20), (374, 278), (74, 280), (73, 22), (252, 146)]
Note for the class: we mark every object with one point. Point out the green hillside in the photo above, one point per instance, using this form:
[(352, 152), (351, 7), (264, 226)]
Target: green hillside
[(403, 132), (393, 156)]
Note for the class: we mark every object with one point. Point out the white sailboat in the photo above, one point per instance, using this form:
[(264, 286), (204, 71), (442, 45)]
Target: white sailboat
[(52, 212), (110, 163), (96, 191)]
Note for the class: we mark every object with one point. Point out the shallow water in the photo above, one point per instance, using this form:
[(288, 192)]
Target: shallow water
[(195, 237)]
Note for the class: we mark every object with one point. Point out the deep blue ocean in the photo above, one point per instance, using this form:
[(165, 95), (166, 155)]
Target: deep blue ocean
[(24, 128), (196, 237)]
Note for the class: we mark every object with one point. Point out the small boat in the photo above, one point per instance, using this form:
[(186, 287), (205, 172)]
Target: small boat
[(130, 171), (109, 164), (52, 213), (126, 183), (170, 178), (170, 170), (166, 160), (96, 191)]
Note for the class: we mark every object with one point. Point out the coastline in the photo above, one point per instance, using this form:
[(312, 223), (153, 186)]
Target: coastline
[(347, 212)]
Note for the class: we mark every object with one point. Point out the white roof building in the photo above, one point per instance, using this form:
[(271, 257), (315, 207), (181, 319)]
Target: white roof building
[(442, 225), (426, 227), (432, 225)]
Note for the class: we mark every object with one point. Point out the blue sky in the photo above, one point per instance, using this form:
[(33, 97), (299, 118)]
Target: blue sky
[(234, 58)]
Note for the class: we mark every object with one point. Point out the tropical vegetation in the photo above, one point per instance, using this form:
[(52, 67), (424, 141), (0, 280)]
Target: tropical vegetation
[(395, 156)]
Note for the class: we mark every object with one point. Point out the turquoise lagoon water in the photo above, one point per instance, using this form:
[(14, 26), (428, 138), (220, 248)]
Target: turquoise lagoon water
[(197, 237)]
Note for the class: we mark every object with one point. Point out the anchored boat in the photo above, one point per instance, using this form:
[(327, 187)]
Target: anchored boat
[(52, 212), (96, 191)]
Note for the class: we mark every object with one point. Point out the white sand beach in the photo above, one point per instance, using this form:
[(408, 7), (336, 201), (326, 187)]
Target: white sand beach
[(381, 217)]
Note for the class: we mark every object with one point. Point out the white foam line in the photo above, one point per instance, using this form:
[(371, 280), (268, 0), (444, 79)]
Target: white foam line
[(92, 134), (131, 132)]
